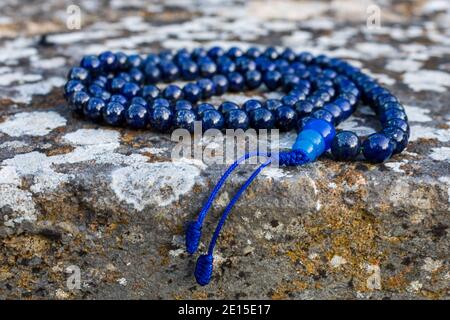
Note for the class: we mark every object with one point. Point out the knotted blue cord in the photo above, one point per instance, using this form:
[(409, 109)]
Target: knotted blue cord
[(204, 266)]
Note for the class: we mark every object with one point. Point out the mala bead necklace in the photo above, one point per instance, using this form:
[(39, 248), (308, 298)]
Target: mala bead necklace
[(318, 93)]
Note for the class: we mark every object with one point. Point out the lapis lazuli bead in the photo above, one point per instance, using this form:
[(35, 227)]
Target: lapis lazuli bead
[(236, 81), (202, 107), (251, 105), (345, 146), (119, 98), (113, 113), (289, 100), (78, 100), (159, 102), (272, 79), (302, 122), (130, 89), (323, 115), (253, 79), (220, 84), (262, 118), (237, 119), (161, 119), (91, 63), (212, 119), (227, 106), (272, 104), (391, 114), (335, 111), (149, 92), (377, 148), (108, 60), (314, 137), (183, 105), (185, 119), (398, 137), (398, 123), (172, 93), (286, 118), (152, 73), (78, 73), (207, 88), (192, 92), (189, 70), (136, 116), (93, 109), (303, 108)]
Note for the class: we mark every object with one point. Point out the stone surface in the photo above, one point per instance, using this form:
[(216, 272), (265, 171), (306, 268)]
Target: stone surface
[(111, 204)]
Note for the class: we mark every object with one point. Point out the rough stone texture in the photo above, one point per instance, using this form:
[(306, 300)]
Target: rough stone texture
[(111, 202)]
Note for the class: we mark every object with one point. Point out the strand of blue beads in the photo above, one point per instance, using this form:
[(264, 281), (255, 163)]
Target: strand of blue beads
[(318, 93)]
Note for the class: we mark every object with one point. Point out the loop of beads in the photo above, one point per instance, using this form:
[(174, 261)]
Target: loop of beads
[(318, 93)]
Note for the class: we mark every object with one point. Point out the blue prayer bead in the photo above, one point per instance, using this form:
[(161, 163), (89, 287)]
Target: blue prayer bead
[(289, 100), (130, 89), (398, 138), (244, 64), (192, 92), (161, 119), (172, 93), (286, 118), (346, 146), (314, 137), (326, 130), (183, 105), (152, 73), (302, 122), (212, 119), (289, 55), (108, 60), (335, 111), (251, 105), (390, 105), (290, 81), (307, 148), (237, 119), (253, 53), (253, 79), (303, 108), (207, 68), (113, 113), (236, 81), (261, 118), (391, 114), (139, 100), (119, 98), (93, 109), (323, 114), (377, 148), (78, 101), (202, 107), (272, 79), (227, 66), (159, 102), (220, 84), (216, 52), (91, 63), (134, 60), (398, 123), (169, 71), (136, 75), (235, 52), (272, 104), (149, 92), (227, 106), (189, 70), (136, 116), (185, 119), (207, 88), (121, 60), (345, 107), (117, 84), (271, 53), (78, 73), (199, 53)]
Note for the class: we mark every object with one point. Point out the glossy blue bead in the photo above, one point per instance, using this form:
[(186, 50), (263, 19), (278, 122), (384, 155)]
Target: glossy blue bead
[(199, 53), (135, 61), (272, 104), (152, 73), (94, 108), (212, 119), (136, 116), (303, 108), (314, 137), (192, 92), (159, 102), (78, 73), (391, 114), (113, 113), (227, 106), (346, 146), (289, 100), (264, 65), (137, 76), (216, 52), (220, 84), (345, 107), (189, 70), (130, 89), (121, 60), (149, 92), (245, 64), (73, 86), (307, 149), (78, 100), (99, 92), (172, 93), (202, 107), (185, 119), (91, 63), (390, 105), (119, 98), (326, 130), (225, 66), (399, 123), (139, 100), (285, 118), (108, 60), (398, 138), (316, 100), (377, 148), (272, 79), (289, 82), (271, 53), (207, 88), (289, 55), (323, 114), (235, 52), (253, 53), (237, 119), (335, 111), (169, 71), (236, 81), (183, 105), (117, 84), (261, 118), (207, 68), (251, 105), (161, 119), (302, 122), (253, 79)]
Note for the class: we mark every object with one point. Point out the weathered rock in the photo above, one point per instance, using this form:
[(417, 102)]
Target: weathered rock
[(111, 204)]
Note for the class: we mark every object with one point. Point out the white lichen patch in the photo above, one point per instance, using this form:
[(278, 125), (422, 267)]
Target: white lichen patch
[(86, 137), (403, 65), (418, 131), (374, 280), (153, 184), (12, 145), (7, 79), (417, 114), (431, 265), (274, 173), (396, 166), (337, 261), (35, 123), (440, 154), (24, 93), (427, 80)]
